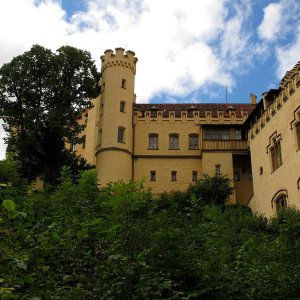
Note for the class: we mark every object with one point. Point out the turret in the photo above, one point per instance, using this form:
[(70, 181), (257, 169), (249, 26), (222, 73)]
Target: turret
[(115, 139)]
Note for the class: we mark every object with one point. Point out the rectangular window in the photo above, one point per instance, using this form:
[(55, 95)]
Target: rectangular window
[(216, 134), (174, 141), (193, 142), (153, 141), (121, 132), (237, 176), (74, 147), (194, 176), (298, 134), (123, 85), (122, 106), (238, 134), (218, 169), (276, 155), (152, 175), (174, 176)]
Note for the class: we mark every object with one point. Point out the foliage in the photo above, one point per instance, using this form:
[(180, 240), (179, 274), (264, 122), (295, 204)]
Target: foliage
[(41, 96), (82, 242)]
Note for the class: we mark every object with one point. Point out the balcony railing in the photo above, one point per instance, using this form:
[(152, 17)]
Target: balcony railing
[(224, 145)]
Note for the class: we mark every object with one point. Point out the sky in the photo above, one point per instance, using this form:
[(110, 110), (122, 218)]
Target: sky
[(189, 51)]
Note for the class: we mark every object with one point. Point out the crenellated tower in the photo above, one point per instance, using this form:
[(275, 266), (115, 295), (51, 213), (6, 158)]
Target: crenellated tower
[(115, 133)]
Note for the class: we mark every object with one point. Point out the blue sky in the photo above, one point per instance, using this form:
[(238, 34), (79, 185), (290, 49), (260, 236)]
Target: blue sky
[(188, 50)]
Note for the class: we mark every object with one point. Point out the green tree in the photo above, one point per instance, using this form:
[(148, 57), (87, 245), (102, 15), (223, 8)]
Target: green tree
[(211, 190), (41, 96)]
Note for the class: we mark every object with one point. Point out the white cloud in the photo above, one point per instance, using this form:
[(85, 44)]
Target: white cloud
[(271, 24), (288, 56), (280, 34)]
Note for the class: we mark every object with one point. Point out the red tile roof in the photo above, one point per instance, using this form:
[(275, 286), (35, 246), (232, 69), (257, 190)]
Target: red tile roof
[(201, 108)]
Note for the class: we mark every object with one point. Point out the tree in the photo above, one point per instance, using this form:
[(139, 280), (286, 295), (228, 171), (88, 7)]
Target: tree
[(212, 190), (41, 96)]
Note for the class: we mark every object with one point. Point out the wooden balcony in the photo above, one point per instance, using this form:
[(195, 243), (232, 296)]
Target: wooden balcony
[(224, 145)]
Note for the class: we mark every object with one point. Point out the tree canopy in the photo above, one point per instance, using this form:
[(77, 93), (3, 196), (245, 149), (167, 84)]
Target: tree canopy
[(41, 96)]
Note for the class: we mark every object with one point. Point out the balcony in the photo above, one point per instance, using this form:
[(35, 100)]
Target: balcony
[(224, 145)]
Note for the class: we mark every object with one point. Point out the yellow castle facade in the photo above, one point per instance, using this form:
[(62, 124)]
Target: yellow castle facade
[(172, 145)]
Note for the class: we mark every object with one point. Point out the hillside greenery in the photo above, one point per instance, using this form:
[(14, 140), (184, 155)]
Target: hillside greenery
[(76, 241)]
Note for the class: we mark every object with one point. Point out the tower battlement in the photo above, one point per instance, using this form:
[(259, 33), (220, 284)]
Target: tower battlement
[(119, 58)]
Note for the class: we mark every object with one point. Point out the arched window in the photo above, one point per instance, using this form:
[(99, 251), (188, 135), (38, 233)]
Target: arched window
[(279, 200)]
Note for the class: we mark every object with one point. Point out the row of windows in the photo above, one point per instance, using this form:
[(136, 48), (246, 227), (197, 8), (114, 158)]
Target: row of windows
[(195, 174), (174, 141), (173, 176), (221, 134)]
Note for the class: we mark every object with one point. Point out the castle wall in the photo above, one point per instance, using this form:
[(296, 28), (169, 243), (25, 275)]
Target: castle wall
[(163, 168), (277, 123)]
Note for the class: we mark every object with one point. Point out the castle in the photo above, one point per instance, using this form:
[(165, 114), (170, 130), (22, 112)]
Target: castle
[(172, 145)]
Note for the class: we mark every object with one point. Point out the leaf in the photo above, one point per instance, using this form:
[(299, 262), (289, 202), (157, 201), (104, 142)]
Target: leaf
[(22, 264), (23, 214), (28, 279), (9, 205)]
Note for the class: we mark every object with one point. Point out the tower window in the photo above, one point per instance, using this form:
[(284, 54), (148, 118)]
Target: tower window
[(174, 176), (193, 141), (173, 141), (153, 141), (218, 169), (123, 84), (121, 134), (194, 176), (152, 175), (122, 106)]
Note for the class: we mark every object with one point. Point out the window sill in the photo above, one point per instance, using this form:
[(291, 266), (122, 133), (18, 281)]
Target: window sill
[(152, 148), (121, 142), (173, 149), (194, 148)]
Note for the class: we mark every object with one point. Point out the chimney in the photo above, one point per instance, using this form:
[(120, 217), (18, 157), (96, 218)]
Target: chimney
[(253, 98)]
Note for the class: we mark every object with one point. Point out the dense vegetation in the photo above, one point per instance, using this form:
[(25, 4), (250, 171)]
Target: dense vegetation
[(79, 242)]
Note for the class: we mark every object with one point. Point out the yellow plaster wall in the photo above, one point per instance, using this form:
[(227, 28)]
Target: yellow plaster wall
[(285, 177), (113, 165), (163, 168), (243, 187)]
